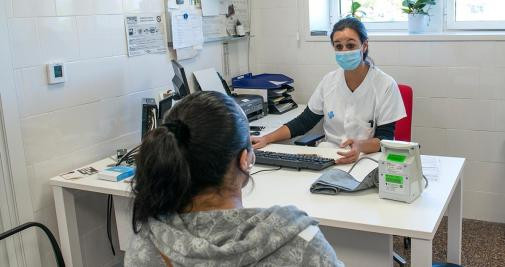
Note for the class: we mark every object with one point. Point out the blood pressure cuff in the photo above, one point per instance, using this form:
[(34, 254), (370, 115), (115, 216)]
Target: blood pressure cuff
[(335, 180)]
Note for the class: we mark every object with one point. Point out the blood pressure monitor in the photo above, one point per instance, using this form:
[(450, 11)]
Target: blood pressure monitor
[(400, 171)]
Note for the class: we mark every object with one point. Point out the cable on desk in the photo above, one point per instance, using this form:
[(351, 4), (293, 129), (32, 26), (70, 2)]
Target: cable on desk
[(267, 170), (128, 155), (426, 179), (109, 213)]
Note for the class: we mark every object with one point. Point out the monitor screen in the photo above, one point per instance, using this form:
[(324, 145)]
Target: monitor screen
[(179, 81), (164, 107)]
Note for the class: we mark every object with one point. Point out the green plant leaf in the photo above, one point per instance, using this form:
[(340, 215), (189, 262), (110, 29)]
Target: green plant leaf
[(355, 6), (407, 10)]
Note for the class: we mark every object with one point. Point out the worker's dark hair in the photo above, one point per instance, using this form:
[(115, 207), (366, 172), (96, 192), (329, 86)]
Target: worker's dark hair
[(355, 25), (201, 137)]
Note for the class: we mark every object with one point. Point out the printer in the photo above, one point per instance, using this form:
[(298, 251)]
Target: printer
[(252, 105), (211, 80)]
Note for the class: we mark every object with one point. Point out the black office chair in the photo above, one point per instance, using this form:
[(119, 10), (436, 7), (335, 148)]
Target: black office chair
[(54, 244)]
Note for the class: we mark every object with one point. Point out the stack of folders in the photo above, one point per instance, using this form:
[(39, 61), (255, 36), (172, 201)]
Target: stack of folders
[(279, 100)]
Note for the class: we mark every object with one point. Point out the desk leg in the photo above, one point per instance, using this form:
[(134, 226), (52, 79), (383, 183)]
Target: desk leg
[(123, 212), (67, 226), (421, 250), (455, 225)]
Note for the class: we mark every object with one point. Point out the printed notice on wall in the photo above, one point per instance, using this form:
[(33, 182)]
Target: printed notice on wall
[(145, 35), (187, 28)]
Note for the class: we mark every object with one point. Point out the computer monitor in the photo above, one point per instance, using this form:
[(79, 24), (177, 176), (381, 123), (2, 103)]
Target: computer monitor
[(149, 114), (179, 81), (163, 107)]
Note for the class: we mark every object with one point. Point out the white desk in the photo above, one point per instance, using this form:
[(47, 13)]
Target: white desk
[(359, 225)]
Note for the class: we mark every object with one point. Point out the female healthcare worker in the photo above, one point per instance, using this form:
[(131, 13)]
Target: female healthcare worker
[(359, 103)]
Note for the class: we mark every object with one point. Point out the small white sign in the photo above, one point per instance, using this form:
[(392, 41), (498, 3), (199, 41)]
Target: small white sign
[(145, 35)]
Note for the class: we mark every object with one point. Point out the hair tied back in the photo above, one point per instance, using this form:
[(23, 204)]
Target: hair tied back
[(179, 129)]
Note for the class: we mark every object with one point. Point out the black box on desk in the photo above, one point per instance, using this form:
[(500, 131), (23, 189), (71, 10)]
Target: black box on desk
[(275, 90)]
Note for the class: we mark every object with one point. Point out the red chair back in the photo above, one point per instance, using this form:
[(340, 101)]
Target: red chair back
[(403, 127)]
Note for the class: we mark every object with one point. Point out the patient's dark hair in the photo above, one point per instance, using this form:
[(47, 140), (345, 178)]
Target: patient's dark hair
[(355, 25), (202, 135)]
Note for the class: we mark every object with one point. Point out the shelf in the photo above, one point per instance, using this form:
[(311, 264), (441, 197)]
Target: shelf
[(226, 39)]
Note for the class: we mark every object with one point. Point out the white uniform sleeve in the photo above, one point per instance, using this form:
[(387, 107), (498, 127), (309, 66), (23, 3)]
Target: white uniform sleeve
[(390, 107), (316, 101)]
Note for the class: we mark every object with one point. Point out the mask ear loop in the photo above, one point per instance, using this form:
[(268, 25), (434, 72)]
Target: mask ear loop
[(247, 173)]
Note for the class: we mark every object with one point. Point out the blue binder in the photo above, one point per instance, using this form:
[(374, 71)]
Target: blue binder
[(261, 81)]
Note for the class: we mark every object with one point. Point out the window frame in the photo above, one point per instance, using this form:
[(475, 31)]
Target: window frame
[(452, 24), (444, 26), (393, 25)]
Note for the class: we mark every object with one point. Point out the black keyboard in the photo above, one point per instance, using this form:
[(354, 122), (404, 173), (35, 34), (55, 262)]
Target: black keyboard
[(298, 161)]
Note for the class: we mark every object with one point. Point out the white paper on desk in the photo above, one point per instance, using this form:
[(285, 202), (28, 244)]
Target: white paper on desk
[(431, 167), (145, 35), (187, 28), (214, 27), (209, 80), (362, 168), (210, 7), (79, 173)]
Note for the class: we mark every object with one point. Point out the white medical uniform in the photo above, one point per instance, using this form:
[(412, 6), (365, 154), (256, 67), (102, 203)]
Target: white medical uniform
[(354, 115)]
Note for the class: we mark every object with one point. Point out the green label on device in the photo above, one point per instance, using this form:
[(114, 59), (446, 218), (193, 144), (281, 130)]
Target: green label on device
[(397, 158), (395, 179)]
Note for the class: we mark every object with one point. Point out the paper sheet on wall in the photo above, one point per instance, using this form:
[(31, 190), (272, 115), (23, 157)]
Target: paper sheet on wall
[(242, 12), (145, 35), (223, 5), (187, 28), (214, 27), (186, 53), (211, 8)]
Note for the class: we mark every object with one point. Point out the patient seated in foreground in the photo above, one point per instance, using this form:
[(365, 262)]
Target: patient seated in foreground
[(187, 208)]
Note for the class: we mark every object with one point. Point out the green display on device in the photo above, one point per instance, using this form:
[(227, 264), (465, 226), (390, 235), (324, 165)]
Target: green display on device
[(395, 179), (396, 158)]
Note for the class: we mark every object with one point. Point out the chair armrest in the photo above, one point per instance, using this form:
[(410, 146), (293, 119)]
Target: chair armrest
[(309, 139)]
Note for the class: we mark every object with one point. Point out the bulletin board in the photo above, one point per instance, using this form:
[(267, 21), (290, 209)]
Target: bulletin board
[(190, 23), (220, 17)]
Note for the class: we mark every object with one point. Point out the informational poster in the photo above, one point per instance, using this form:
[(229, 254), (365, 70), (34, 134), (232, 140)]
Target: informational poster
[(145, 35), (210, 8), (187, 28)]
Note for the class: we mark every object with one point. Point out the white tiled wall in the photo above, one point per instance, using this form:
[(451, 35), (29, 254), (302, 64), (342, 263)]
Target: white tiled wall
[(97, 110), (459, 90)]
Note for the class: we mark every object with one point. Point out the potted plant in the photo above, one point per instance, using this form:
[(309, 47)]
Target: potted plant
[(417, 11), (355, 11)]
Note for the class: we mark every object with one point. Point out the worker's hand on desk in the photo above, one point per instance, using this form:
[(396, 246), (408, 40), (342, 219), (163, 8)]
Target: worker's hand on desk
[(351, 155), (258, 142)]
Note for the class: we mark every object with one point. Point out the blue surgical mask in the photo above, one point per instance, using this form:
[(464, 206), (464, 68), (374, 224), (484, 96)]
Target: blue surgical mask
[(349, 60)]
